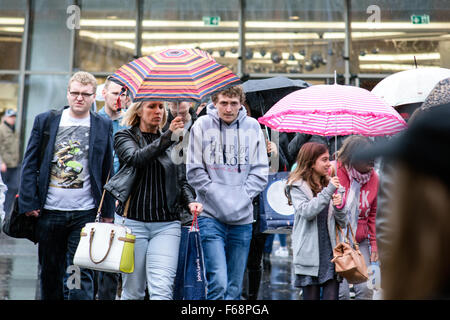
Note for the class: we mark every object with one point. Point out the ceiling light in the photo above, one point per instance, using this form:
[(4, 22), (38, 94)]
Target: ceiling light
[(394, 67), (12, 29), (12, 21), (401, 57)]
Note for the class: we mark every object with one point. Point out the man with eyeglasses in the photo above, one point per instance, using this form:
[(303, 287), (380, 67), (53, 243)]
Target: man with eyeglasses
[(66, 164)]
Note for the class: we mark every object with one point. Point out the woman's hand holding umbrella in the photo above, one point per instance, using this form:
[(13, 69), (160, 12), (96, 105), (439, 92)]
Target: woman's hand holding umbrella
[(176, 126)]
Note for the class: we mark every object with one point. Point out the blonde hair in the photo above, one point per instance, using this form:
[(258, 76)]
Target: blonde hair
[(85, 78), (131, 117), (418, 264)]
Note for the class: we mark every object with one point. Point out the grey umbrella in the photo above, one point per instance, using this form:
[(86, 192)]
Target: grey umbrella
[(273, 83)]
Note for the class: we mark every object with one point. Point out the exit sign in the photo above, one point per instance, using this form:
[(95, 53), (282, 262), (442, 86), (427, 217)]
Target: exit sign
[(420, 19), (211, 21)]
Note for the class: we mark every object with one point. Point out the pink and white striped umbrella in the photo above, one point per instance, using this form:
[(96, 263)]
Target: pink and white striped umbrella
[(329, 110)]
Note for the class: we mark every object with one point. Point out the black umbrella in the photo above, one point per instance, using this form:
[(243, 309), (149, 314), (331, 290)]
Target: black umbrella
[(262, 94)]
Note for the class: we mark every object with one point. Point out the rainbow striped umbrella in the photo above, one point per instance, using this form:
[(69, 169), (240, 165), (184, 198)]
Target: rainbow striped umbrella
[(331, 110), (175, 75)]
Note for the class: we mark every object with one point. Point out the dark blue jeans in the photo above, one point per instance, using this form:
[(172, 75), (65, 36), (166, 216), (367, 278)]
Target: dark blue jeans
[(59, 235)]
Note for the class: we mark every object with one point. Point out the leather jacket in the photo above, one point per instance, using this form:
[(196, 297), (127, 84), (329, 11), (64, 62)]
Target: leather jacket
[(134, 154)]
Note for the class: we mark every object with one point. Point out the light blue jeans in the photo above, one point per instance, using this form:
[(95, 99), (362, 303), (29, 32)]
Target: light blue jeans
[(155, 259), (225, 249)]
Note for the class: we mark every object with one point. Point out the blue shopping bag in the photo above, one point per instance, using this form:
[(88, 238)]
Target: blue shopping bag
[(276, 216), (190, 281)]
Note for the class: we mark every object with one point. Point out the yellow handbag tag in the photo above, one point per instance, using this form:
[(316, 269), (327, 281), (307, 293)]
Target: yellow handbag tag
[(127, 259)]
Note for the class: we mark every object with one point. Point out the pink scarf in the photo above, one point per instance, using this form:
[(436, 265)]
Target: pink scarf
[(361, 178)]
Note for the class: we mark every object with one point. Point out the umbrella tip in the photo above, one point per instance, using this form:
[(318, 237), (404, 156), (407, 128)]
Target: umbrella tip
[(335, 77)]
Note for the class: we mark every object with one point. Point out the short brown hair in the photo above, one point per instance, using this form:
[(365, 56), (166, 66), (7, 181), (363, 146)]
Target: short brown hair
[(351, 144), (232, 92), (85, 78)]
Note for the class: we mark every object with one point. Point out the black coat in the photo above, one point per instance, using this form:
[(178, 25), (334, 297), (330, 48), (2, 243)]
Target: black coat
[(134, 154), (35, 176)]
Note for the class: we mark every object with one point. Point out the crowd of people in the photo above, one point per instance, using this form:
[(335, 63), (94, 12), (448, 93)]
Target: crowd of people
[(164, 162)]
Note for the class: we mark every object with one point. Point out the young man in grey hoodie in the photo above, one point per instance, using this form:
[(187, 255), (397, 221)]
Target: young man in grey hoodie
[(227, 165)]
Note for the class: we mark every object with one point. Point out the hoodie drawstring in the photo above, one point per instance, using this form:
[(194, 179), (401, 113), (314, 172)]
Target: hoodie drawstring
[(221, 142), (239, 149), (223, 145)]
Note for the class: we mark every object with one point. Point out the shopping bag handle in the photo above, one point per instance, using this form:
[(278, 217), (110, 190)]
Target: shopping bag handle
[(111, 238), (195, 221)]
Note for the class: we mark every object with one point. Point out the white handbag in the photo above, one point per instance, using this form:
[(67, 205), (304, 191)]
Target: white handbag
[(105, 246)]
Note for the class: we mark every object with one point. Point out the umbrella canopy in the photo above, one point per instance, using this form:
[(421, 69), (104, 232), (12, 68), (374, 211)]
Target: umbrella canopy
[(438, 96), (329, 110), (262, 94), (273, 83), (410, 86), (175, 75)]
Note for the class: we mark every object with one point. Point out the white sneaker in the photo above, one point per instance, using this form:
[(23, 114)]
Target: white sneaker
[(282, 252)]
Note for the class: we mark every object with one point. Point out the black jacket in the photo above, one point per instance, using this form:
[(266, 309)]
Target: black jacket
[(134, 154)]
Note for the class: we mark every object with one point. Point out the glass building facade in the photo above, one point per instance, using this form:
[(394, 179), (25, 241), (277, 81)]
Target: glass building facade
[(43, 42)]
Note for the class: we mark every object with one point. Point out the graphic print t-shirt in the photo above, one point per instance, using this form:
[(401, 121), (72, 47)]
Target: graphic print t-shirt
[(70, 187)]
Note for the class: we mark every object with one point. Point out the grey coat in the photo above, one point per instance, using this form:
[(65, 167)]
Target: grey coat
[(305, 235)]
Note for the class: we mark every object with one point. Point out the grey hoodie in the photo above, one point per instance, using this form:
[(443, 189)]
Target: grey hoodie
[(227, 165), (305, 235)]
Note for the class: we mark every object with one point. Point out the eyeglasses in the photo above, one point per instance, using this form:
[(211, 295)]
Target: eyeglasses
[(83, 94)]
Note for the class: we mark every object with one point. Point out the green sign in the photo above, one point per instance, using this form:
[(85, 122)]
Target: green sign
[(420, 19), (211, 21)]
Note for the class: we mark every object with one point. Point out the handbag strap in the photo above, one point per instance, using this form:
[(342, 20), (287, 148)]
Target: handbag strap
[(99, 210), (346, 238), (111, 239)]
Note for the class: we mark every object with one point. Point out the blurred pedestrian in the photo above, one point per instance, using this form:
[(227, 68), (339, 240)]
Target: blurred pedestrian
[(64, 192), (228, 166), (151, 182), (9, 156), (186, 112), (360, 182), (418, 263), (201, 109), (259, 239), (107, 282), (3, 189), (311, 191)]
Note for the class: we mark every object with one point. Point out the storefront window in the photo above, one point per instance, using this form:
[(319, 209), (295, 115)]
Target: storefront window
[(50, 36), (9, 89), (12, 21), (294, 37), (402, 31), (106, 37)]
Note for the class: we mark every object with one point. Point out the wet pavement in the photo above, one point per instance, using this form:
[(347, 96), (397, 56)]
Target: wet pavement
[(18, 273), (18, 268)]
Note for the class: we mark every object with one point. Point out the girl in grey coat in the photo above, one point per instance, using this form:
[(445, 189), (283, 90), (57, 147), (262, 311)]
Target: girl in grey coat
[(312, 193)]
